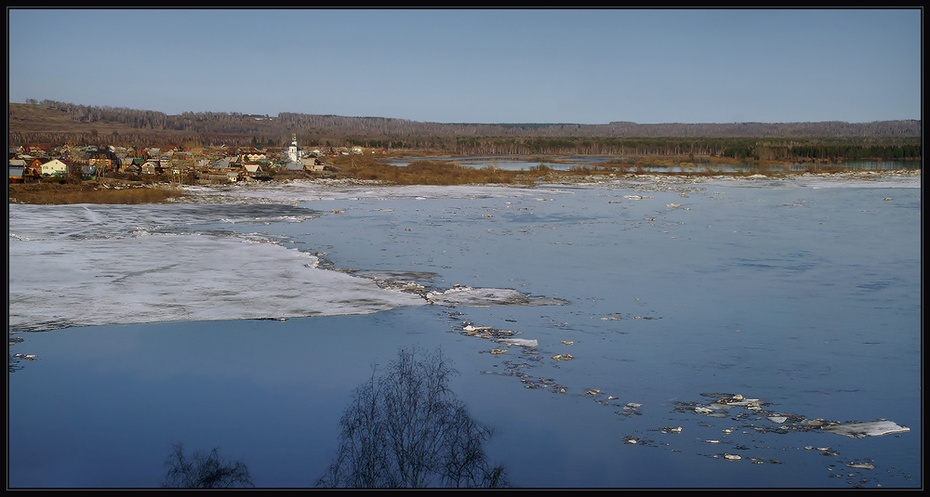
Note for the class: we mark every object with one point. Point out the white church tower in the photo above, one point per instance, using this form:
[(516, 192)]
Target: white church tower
[(293, 154)]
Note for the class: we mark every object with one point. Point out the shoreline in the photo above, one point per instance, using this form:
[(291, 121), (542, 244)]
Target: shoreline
[(111, 191)]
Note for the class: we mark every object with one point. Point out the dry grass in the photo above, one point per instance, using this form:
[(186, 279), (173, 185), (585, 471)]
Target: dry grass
[(421, 172), (49, 193), (437, 172)]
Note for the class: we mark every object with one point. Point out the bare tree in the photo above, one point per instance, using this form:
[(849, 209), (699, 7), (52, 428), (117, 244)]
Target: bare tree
[(204, 471), (406, 429)]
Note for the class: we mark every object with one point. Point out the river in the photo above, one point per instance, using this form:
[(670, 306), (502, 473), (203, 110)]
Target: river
[(685, 334)]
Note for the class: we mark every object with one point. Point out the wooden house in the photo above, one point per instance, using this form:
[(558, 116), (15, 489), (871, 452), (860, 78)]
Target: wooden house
[(16, 174), (311, 164), (36, 165), (53, 167), (253, 156), (151, 167), (104, 159), (131, 165)]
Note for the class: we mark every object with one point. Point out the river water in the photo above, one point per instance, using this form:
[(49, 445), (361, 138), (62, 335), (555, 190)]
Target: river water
[(244, 321)]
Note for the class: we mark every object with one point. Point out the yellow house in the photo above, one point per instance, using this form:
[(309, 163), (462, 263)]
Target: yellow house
[(53, 167)]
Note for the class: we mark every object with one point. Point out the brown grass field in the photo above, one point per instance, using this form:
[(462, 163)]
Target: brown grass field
[(88, 192)]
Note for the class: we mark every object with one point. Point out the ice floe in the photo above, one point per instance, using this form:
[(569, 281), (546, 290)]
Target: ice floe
[(520, 342), (485, 297), (866, 429), (723, 402), (149, 264)]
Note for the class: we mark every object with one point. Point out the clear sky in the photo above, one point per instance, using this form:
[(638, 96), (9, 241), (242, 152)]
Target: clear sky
[(490, 66)]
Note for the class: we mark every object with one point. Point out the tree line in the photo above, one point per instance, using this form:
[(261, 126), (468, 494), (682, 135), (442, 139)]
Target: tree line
[(777, 141)]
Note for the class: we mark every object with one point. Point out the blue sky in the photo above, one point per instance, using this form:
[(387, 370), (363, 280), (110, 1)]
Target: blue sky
[(538, 66)]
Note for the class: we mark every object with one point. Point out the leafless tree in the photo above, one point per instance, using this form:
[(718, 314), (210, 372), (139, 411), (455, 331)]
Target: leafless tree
[(406, 429), (204, 470)]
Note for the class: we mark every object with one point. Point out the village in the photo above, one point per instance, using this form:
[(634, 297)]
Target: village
[(196, 165)]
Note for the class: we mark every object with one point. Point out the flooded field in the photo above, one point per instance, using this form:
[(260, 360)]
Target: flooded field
[(639, 333)]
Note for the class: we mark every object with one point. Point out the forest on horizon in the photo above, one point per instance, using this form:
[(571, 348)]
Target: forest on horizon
[(54, 123)]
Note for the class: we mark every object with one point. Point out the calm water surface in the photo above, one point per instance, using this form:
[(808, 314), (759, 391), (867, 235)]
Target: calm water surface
[(802, 294)]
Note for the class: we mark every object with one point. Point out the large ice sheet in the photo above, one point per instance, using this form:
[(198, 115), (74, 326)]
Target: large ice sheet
[(82, 266)]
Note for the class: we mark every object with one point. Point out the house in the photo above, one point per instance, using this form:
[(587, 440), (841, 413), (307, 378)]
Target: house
[(54, 167), (133, 163), (16, 174), (253, 156), (36, 164), (221, 165), (151, 167), (103, 159), (312, 164)]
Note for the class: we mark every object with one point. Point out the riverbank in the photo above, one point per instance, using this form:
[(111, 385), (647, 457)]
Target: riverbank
[(112, 191), (91, 192)]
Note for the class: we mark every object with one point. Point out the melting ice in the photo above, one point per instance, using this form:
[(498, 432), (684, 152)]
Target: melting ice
[(92, 265), (89, 265)]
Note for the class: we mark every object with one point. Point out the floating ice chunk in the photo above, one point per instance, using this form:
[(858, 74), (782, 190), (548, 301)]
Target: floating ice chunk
[(778, 419), (471, 328), (522, 342), (867, 429), (486, 297)]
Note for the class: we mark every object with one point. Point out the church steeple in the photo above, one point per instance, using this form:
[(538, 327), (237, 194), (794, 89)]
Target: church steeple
[(293, 154)]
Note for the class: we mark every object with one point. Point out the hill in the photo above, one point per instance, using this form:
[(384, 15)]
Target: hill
[(52, 123)]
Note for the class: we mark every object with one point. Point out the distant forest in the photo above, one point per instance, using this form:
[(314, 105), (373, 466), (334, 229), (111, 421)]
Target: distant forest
[(55, 123)]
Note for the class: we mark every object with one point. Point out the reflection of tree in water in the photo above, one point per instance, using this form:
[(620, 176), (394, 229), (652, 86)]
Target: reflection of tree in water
[(406, 429), (204, 471)]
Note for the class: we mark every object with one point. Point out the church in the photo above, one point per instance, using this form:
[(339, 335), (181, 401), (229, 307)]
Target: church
[(293, 153)]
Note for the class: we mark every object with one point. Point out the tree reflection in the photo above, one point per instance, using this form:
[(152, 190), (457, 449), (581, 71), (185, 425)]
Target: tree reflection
[(204, 471), (406, 429)]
